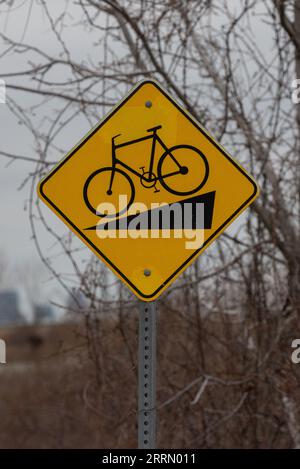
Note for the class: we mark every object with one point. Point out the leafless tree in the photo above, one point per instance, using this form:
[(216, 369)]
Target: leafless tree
[(231, 65)]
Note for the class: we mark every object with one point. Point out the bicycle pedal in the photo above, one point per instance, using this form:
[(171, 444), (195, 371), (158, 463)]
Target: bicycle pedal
[(143, 169)]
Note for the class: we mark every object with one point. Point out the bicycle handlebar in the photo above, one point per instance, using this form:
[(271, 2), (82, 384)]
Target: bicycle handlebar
[(153, 129)]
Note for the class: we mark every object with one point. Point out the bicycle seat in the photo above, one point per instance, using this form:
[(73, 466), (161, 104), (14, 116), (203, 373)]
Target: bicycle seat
[(153, 129)]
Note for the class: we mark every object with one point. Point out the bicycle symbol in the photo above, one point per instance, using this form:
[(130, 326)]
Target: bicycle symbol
[(172, 169)]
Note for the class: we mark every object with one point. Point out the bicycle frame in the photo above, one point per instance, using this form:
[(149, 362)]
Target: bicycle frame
[(155, 138), (150, 180)]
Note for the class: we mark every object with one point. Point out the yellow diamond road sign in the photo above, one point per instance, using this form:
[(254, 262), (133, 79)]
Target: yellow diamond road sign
[(148, 189)]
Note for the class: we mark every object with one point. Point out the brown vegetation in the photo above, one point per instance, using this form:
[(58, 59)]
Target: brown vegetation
[(59, 390)]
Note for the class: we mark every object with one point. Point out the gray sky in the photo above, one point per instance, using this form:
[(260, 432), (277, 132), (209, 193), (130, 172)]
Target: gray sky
[(15, 234)]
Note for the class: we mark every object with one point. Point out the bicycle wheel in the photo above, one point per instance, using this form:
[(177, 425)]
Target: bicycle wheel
[(105, 203), (183, 170)]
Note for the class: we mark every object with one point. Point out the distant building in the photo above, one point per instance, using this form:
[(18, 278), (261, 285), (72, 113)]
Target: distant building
[(76, 302), (10, 310), (43, 313)]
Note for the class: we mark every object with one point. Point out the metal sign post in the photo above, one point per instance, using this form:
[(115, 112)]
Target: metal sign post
[(147, 376)]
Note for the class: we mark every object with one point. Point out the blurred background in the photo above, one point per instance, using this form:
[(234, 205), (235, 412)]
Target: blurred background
[(225, 328)]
